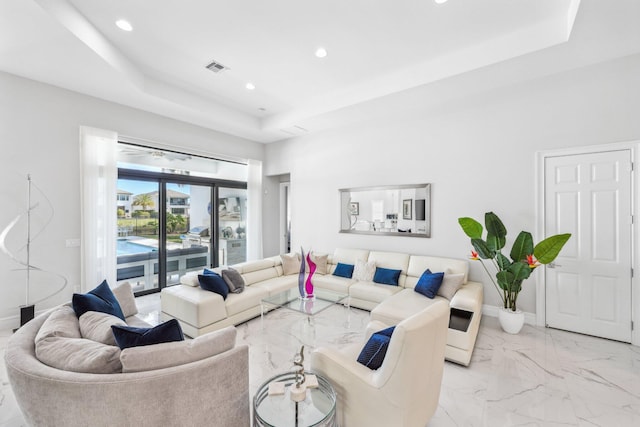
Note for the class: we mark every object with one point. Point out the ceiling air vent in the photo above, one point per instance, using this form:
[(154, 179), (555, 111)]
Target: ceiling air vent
[(216, 67)]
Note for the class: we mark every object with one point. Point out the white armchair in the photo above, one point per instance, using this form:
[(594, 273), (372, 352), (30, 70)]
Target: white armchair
[(404, 391)]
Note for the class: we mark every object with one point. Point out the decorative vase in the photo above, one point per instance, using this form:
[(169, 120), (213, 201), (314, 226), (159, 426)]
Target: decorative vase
[(312, 269), (301, 275), (511, 321)]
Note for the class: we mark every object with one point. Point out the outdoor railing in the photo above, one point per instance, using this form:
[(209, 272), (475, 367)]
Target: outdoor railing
[(143, 267)]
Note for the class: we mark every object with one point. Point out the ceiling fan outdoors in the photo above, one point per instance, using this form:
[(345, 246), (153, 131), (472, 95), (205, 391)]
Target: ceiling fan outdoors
[(150, 153)]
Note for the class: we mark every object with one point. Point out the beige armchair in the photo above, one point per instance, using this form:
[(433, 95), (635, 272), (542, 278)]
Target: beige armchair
[(405, 390)]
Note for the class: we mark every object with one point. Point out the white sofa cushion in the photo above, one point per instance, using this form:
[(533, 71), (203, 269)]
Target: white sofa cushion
[(370, 291), (333, 283), (165, 355), (277, 284), (194, 306), (392, 260), (249, 266), (250, 298), (402, 305), (349, 256)]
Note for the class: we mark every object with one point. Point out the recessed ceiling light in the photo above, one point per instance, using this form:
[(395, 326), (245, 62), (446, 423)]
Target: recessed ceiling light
[(250, 86), (440, 1), (321, 52), (124, 25)]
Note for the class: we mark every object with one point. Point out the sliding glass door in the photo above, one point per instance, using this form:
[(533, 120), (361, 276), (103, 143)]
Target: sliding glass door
[(188, 229), (138, 233), (168, 226)]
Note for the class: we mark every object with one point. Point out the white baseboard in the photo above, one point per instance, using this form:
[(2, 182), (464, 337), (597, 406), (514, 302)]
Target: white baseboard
[(9, 323), (492, 311), (12, 322)]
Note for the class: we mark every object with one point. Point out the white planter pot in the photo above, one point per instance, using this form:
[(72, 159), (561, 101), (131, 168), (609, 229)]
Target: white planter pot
[(511, 321)]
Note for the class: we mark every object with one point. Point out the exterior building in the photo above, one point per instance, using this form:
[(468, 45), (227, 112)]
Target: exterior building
[(124, 202), (177, 203)]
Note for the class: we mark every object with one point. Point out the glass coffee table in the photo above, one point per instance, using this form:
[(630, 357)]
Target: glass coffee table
[(290, 299), (318, 409)]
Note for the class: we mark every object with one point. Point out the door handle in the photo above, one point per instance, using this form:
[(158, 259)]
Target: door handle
[(553, 265)]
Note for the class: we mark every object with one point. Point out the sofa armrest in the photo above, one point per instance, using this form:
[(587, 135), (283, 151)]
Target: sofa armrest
[(374, 326), (469, 297), (341, 367)]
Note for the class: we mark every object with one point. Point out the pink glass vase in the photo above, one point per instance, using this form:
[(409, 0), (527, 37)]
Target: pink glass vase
[(309, 284)]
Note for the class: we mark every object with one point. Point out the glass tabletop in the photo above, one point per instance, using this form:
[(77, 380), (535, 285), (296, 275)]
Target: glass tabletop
[(318, 409), (322, 299)]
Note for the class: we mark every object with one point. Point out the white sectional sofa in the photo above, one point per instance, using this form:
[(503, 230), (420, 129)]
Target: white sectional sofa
[(200, 311)]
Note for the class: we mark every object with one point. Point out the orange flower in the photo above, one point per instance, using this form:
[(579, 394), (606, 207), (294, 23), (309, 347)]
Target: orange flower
[(533, 263), (474, 255)]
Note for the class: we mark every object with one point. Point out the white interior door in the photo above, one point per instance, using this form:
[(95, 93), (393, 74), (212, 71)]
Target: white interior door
[(285, 218), (588, 290)]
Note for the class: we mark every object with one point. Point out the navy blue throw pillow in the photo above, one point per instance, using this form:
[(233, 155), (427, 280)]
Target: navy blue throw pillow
[(99, 299), (128, 336), (372, 355), (387, 332), (208, 272), (343, 270), (214, 283), (386, 276), (429, 283)]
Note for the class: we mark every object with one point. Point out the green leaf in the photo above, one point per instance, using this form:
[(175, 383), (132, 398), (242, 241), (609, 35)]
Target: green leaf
[(520, 270), (503, 261), (496, 228), (471, 227), (505, 279), (522, 247), (494, 242), (483, 250), (547, 250)]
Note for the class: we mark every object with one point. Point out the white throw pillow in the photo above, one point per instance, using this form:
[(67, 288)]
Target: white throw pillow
[(290, 264), (364, 271), (96, 326), (321, 263), (450, 285), (126, 299), (190, 280)]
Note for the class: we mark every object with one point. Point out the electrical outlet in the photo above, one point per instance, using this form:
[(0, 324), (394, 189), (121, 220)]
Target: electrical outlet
[(72, 243)]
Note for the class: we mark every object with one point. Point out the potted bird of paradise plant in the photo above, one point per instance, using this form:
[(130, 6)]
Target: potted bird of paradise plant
[(525, 257)]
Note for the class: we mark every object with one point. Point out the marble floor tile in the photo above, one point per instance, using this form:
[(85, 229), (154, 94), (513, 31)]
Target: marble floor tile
[(540, 377)]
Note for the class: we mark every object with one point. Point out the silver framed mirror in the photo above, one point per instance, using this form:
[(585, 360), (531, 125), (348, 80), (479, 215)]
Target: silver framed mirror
[(389, 210)]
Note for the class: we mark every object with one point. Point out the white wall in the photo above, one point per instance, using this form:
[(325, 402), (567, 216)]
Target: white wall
[(478, 153), (39, 135)]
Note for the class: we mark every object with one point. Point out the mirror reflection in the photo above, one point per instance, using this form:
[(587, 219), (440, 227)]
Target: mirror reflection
[(402, 210)]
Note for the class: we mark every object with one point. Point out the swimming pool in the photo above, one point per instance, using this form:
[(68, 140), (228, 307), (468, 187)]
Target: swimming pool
[(127, 247)]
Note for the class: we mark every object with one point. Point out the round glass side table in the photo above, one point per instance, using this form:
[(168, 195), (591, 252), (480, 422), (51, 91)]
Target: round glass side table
[(318, 409)]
